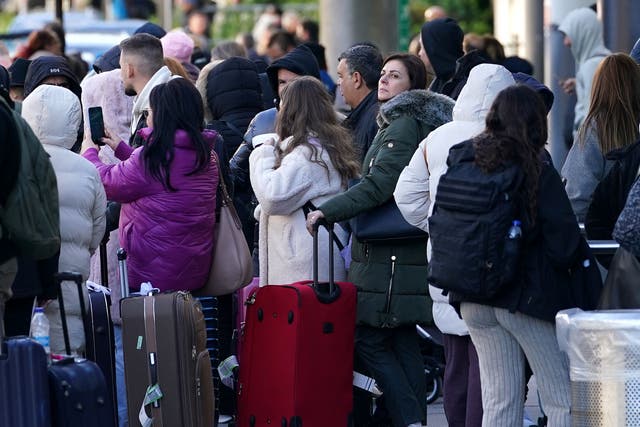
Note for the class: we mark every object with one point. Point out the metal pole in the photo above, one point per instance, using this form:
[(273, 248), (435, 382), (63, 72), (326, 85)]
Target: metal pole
[(559, 65), (620, 23), (346, 22), (59, 15), (534, 37)]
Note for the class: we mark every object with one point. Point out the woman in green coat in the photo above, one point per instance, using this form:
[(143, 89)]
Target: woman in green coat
[(391, 276)]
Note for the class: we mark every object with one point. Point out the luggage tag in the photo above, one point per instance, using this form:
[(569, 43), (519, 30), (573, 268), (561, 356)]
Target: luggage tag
[(152, 395), (91, 286), (226, 370)]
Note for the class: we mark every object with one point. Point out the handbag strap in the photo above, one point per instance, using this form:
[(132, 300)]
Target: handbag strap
[(308, 207), (235, 130), (226, 199)]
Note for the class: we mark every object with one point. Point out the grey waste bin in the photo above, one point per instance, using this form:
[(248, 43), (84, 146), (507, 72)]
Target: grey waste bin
[(604, 359)]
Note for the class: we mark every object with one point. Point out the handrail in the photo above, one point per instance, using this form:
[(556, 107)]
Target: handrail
[(603, 247)]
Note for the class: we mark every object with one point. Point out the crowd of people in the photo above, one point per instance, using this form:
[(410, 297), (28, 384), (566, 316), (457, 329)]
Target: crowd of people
[(150, 186)]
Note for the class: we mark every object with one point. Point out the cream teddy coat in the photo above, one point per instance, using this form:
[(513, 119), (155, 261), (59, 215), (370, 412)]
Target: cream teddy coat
[(285, 244)]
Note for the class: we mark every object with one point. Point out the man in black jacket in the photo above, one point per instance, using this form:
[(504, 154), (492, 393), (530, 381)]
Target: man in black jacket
[(358, 73), (442, 54)]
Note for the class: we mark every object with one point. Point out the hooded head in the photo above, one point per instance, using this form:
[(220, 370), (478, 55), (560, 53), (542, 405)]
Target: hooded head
[(442, 40), (50, 66), (585, 31), (54, 115), (107, 91), (542, 90), (483, 85), (300, 61), (4, 86), (110, 60), (4, 78), (178, 45), (152, 29), (233, 87), (18, 71)]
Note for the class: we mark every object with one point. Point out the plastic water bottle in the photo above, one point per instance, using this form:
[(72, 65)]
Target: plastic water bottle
[(512, 251), (40, 329), (515, 231)]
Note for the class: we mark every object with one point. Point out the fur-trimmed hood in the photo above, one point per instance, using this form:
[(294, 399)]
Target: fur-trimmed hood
[(425, 106)]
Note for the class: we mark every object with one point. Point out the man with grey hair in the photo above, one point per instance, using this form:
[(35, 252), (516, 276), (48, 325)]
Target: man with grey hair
[(141, 68), (358, 73)]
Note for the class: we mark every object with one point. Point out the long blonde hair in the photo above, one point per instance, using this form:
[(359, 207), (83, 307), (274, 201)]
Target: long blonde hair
[(306, 110), (614, 112)]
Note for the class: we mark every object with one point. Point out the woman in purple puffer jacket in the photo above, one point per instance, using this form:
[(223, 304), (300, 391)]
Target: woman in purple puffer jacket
[(167, 189)]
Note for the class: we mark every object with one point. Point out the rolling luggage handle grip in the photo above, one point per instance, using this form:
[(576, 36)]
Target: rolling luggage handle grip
[(77, 278), (334, 291), (124, 279)]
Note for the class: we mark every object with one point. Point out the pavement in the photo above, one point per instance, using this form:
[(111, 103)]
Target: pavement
[(436, 417)]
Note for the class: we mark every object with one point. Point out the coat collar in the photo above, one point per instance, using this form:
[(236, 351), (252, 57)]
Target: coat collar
[(428, 107)]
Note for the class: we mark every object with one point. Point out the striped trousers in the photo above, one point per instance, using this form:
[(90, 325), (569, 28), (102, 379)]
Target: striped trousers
[(502, 340)]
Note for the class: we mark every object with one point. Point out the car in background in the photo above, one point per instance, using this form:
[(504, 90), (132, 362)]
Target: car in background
[(86, 33)]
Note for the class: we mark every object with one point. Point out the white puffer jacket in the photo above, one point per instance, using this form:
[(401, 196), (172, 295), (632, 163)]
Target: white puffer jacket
[(54, 114), (285, 244), (418, 181)]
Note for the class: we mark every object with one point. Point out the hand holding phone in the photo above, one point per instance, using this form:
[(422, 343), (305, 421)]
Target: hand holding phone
[(96, 125)]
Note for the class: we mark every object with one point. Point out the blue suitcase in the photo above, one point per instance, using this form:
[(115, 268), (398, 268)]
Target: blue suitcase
[(23, 383)]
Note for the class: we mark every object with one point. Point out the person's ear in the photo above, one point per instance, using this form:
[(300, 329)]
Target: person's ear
[(358, 81), (129, 70)]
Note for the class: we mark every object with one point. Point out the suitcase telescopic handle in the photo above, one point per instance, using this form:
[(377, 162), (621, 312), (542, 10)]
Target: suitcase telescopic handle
[(316, 250), (124, 279), (77, 278)]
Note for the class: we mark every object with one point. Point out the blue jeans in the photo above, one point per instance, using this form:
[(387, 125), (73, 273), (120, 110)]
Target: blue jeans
[(120, 384)]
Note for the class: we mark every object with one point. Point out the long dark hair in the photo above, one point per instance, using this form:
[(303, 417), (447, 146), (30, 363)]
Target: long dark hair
[(175, 105), (516, 132), (307, 110)]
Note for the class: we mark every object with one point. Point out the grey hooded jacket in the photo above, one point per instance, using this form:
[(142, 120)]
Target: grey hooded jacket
[(587, 46)]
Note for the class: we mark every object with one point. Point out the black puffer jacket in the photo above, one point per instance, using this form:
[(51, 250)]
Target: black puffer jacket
[(234, 98)]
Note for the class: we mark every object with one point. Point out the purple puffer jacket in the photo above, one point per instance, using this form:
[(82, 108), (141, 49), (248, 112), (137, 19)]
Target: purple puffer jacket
[(168, 235)]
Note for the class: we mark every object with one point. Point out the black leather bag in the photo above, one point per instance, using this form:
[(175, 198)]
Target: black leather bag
[(586, 281), (622, 286), (384, 222)]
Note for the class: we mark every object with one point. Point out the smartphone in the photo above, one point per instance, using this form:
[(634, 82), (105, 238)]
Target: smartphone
[(96, 125)]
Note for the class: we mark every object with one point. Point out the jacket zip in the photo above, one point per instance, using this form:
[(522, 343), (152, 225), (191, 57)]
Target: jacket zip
[(390, 289)]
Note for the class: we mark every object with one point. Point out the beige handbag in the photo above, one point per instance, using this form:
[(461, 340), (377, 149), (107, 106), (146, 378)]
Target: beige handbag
[(231, 264)]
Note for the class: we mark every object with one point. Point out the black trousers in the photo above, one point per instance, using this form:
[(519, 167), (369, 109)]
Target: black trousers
[(393, 358)]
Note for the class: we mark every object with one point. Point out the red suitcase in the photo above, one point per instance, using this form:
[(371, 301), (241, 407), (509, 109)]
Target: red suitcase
[(297, 354), (241, 297)]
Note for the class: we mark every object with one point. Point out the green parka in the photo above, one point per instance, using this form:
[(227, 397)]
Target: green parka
[(391, 277)]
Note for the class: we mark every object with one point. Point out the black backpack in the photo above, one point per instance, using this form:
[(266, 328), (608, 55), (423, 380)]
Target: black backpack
[(468, 229)]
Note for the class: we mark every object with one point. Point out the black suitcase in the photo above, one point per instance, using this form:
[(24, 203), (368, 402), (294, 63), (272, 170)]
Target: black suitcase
[(100, 342), (78, 390)]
